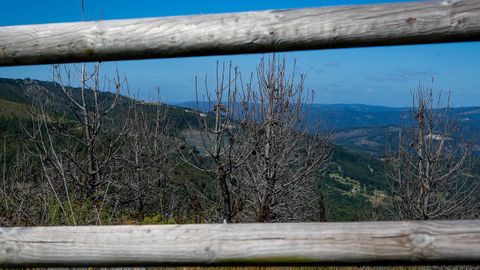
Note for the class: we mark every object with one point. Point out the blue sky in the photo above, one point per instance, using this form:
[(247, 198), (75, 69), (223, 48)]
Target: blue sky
[(379, 75)]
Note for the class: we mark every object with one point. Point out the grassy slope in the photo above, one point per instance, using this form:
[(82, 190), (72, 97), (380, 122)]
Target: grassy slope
[(10, 109)]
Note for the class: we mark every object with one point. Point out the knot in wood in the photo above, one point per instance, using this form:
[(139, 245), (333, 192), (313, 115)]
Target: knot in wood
[(421, 240)]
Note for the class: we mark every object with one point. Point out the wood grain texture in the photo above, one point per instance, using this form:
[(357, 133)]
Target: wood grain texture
[(250, 32), (243, 244)]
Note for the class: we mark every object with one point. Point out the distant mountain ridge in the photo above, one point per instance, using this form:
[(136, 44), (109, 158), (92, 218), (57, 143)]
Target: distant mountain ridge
[(348, 116)]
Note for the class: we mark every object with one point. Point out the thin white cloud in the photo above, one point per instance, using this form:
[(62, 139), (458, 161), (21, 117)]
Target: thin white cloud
[(400, 75)]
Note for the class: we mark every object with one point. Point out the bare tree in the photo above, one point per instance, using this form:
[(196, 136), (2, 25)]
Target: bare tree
[(432, 170), (76, 157), (146, 160), (53, 166), (289, 154), (223, 140), (102, 136)]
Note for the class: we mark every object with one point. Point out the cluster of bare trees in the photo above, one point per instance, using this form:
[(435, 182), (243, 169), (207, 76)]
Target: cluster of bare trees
[(106, 154), (109, 155), (267, 161), (290, 154), (432, 167)]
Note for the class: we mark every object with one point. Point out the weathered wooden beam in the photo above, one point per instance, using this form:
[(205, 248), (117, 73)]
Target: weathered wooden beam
[(235, 33), (436, 242)]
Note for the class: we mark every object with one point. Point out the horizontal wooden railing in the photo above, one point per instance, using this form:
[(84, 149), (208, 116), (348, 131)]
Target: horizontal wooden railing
[(377, 243), (250, 32)]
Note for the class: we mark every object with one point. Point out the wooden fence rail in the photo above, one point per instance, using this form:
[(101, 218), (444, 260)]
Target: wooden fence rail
[(435, 242), (250, 32)]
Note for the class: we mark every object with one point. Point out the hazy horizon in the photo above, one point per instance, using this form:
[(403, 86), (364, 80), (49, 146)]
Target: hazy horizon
[(180, 102)]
